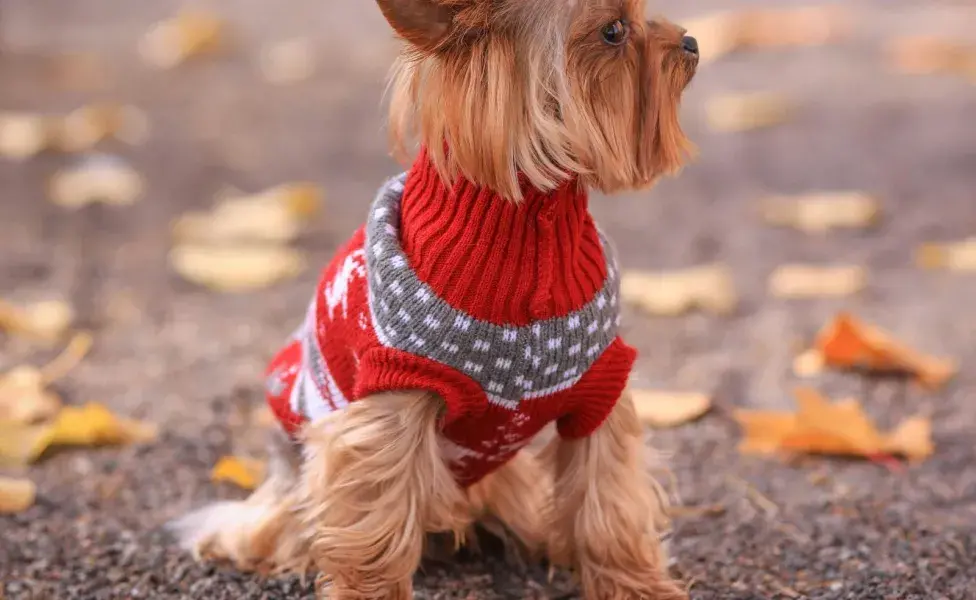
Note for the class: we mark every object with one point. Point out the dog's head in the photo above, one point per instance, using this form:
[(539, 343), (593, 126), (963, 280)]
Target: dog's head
[(542, 89)]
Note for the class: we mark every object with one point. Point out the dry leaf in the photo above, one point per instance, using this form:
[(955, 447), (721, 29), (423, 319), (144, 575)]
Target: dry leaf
[(723, 33), (236, 268), (809, 281), (957, 256), (261, 416), (83, 128), (804, 26), (24, 397), (275, 215), (821, 211), (100, 178), (808, 364), (847, 343), (669, 409), (742, 112), (672, 293), (927, 54), (243, 472), (822, 427), (89, 425), (48, 320), (189, 34), (16, 495), (23, 135), (289, 61)]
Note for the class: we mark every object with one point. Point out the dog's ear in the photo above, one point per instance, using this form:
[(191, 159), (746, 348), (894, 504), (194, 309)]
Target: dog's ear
[(423, 23)]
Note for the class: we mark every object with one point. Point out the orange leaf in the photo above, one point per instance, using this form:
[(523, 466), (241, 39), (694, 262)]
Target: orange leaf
[(848, 343), (243, 472), (835, 428)]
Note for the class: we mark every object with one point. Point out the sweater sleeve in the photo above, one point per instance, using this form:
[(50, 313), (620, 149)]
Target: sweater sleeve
[(593, 398), (385, 369)]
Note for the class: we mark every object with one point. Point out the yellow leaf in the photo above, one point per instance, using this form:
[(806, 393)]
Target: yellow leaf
[(818, 212), (189, 34), (23, 135), (671, 293), (243, 472), (742, 112), (236, 268), (105, 179), (16, 495), (847, 343), (276, 215), (669, 409), (89, 425), (23, 397), (836, 428), (47, 321), (810, 281), (808, 364), (957, 256), (85, 127)]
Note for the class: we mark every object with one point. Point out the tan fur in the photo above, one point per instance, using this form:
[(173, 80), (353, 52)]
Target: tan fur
[(607, 513), (501, 92), (527, 87)]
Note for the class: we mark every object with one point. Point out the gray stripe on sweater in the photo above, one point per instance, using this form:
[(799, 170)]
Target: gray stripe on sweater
[(510, 363)]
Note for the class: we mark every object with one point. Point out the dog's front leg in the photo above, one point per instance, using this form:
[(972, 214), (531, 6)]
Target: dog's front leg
[(373, 483), (607, 513)]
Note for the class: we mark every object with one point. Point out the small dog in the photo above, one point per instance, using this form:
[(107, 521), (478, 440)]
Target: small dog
[(477, 305)]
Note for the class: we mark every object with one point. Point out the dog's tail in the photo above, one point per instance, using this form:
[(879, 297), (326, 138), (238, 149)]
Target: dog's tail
[(258, 533)]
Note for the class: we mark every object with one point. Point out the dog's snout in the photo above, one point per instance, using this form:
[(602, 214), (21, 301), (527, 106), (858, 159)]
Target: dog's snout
[(689, 44)]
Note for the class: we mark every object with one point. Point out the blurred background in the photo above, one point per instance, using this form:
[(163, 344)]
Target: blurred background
[(192, 101)]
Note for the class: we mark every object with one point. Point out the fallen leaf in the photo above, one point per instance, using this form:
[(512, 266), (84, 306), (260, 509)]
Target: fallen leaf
[(808, 364), (24, 397), (236, 268), (957, 256), (819, 212), (98, 178), (23, 135), (803, 26), (847, 343), (262, 416), (694, 512), (83, 128), (743, 112), (836, 428), (723, 33), (288, 61), (912, 439), (671, 293), (243, 472), (809, 281), (185, 36), (47, 321), (90, 425), (669, 409), (276, 215), (16, 495), (929, 54)]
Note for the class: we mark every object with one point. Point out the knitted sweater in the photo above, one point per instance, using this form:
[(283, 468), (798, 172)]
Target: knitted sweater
[(508, 312)]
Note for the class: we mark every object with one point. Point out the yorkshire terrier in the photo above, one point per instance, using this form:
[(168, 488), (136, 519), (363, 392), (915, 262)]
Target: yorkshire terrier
[(478, 304)]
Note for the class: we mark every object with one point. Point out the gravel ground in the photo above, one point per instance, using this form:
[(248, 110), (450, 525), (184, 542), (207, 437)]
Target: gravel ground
[(191, 360)]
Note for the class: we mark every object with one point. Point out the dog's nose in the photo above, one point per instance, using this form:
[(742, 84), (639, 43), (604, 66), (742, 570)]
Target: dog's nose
[(689, 44)]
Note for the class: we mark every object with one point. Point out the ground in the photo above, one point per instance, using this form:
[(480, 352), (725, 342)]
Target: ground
[(191, 360)]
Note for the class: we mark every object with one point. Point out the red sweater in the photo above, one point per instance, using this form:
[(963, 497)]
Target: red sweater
[(506, 311)]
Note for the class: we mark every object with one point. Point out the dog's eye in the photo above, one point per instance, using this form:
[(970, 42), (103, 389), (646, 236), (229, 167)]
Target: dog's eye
[(614, 33)]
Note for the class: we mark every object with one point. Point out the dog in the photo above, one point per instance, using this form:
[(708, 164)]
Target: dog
[(477, 305)]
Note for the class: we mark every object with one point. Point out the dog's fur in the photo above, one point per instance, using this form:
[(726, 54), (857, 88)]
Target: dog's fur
[(496, 90)]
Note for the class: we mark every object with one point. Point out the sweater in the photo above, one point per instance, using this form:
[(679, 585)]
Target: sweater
[(506, 311)]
